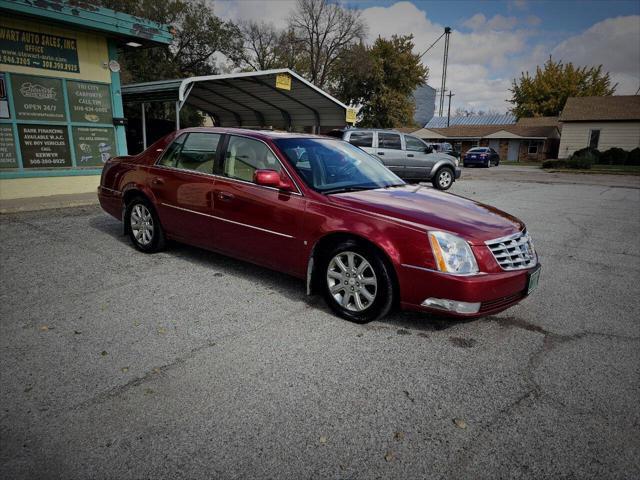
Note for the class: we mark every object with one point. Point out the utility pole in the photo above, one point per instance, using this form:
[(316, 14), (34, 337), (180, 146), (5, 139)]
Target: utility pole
[(451, 94), (445, 60)]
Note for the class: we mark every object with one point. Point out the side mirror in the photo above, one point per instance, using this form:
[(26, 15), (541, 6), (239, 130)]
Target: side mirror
[(271, 178), (428, 149)]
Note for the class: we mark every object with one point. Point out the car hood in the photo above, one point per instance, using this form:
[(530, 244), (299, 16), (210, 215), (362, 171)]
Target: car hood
[(424, 207)]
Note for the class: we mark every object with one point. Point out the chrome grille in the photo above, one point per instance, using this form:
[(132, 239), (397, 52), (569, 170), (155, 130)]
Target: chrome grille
[(514, 252)]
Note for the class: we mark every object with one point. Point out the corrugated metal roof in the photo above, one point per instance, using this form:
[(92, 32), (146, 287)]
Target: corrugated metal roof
[(441, 122), (247, 98)]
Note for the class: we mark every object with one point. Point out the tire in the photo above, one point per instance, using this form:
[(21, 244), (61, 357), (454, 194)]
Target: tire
[(365, 301), (149, 238), (443, 178), (489, 163)]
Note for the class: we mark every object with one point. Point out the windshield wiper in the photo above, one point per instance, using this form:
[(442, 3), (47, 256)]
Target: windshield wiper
[(346, 189)]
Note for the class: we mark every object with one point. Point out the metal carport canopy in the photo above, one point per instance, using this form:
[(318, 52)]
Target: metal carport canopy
[(247, 99)]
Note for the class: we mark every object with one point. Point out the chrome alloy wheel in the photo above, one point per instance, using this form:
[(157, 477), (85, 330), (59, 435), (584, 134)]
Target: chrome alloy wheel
[(445, 178), (142, 224), (352, 281)]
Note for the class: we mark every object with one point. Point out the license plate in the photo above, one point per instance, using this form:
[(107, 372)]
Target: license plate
[(473, 156), (533, 280)]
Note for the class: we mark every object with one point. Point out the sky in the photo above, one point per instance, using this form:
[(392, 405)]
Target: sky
[(492, 41)]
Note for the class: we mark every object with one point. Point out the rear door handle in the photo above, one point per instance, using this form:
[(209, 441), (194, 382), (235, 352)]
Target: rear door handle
[(157, 181), (380, 153), (225, 197), (410, 155)]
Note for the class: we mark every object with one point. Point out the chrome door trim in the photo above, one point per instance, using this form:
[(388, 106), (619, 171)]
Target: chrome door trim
[(227, 220)]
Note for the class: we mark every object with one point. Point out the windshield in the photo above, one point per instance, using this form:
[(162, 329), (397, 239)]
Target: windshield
[(333, 166)]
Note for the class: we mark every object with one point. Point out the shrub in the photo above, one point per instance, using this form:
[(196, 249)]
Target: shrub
[(582, 162), (634, 157), (614, 156), (554, 163), (594, 152)]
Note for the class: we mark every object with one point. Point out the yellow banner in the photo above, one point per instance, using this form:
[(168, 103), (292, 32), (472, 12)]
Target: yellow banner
[(283, 81)]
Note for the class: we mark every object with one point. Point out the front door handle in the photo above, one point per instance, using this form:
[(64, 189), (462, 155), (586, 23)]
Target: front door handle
[(157, 181), (410, 155), (380, 153), (225, 196)]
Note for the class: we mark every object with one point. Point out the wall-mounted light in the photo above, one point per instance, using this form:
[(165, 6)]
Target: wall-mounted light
[(134, 44)]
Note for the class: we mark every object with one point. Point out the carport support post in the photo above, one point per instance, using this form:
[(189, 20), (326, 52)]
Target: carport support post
[(144, 126), (177, 115)]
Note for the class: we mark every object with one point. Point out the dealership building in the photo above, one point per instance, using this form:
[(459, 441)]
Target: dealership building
[(61, 109)]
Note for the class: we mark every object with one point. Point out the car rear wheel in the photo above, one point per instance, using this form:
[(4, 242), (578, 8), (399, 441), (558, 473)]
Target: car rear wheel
[(489, 163), (443, 179), (356, 282), (144, 226)]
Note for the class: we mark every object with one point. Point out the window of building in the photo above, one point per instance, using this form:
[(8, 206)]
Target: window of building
[(534, 147), (389, 140), (361, 139), (594, 138), (245, 156), (414, 144)]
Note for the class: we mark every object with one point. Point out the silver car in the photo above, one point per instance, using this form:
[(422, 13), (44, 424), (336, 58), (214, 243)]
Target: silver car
[(409, 157)]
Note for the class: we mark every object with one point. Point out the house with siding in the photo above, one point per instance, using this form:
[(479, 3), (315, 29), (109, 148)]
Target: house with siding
[(526, 139), (601, 123)]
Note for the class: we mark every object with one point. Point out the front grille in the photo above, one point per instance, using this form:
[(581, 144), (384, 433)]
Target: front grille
[(514, 252), (501, 302)]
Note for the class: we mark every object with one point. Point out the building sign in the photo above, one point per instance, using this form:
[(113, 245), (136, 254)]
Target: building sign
[(283, 81), (8, 157), (351, 115), (89, 102), (4, 98), (37, 98), (94, 145), (44, 146), (38, 50)]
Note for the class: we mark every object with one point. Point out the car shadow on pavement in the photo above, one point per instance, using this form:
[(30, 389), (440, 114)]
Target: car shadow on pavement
[(291, 287)]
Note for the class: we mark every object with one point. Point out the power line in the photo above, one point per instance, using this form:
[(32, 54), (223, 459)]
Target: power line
[(432, 45)]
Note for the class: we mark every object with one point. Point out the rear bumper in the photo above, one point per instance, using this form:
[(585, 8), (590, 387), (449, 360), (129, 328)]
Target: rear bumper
[(110, 201), (494, 292), (474, 161)]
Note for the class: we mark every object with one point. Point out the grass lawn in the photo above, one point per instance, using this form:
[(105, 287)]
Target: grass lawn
[(600, 169)]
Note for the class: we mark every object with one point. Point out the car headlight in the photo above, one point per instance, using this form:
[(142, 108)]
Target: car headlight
[(453, 254)]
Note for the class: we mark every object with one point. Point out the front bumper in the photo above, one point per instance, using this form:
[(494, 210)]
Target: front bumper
[(494, 292), (458, 172)]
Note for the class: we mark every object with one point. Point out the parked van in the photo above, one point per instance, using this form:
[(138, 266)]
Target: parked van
[(409, 157)]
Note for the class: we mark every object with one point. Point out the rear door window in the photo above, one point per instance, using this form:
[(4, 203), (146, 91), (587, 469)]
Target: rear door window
[(198, 153), (361, 139), (389, 140), (171, 154)]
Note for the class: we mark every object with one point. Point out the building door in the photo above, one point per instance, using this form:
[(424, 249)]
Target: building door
[(514, 148)]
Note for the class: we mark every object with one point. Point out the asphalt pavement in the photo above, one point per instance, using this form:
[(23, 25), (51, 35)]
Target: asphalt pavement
[(188, 364)]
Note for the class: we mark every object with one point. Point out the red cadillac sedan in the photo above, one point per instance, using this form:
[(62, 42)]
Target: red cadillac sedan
[(325, 211)]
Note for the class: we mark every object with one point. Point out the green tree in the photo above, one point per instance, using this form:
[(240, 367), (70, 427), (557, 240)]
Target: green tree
[(381, 79), (546, 93), (198, 35)]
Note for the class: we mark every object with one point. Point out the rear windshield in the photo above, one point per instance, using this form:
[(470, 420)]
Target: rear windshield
[(479, 150)]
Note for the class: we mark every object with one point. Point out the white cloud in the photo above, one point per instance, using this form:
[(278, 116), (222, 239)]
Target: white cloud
[(273, 11), (613, 43), (484, 59)]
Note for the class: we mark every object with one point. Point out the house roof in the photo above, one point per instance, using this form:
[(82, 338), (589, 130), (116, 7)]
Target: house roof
[(495, 131), (538, 121), (441, 122), (584, 109)]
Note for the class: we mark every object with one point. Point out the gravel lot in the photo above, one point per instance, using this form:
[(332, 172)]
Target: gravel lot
[(187, 364)]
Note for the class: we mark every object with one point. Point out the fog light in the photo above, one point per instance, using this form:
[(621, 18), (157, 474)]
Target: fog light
[(451, 305)]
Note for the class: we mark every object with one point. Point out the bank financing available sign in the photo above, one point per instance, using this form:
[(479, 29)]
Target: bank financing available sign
[(38, 50)]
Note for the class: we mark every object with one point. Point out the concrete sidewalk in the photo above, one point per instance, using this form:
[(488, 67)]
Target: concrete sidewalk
[(48, 202)]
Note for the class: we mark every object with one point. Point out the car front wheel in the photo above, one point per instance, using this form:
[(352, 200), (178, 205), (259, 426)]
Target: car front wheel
[(443, 179), (357, 283), (144, 226)]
